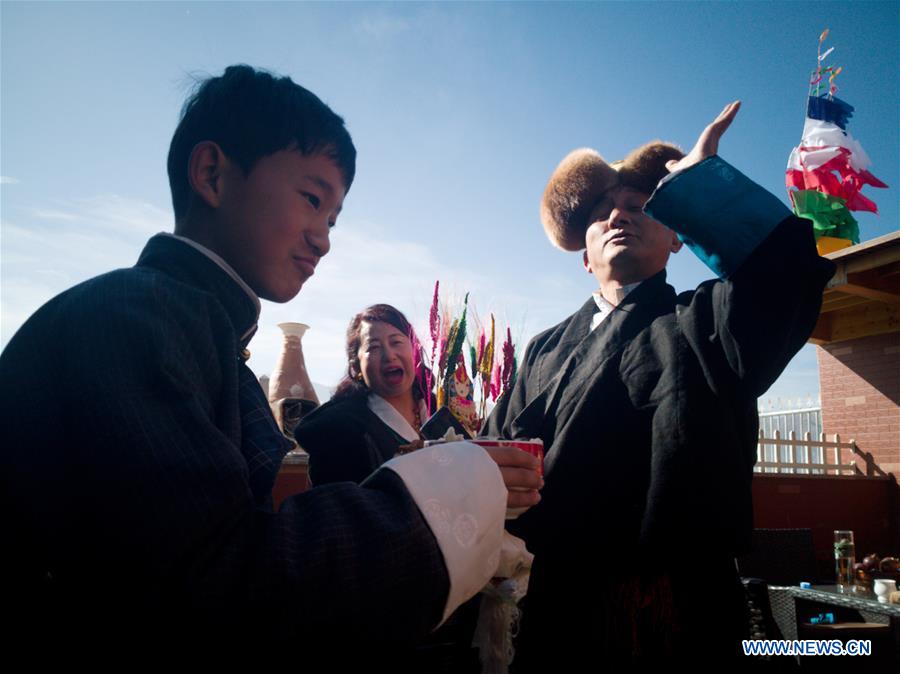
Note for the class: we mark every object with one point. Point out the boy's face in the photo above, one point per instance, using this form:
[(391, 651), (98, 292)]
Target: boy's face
[(623, 243), (273, 225)]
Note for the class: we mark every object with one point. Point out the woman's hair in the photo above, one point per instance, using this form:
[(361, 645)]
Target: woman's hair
[(352, 384)]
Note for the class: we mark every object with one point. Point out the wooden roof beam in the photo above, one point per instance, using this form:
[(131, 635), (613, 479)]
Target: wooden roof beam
[(835, 300), (872, 318), (870, 293)]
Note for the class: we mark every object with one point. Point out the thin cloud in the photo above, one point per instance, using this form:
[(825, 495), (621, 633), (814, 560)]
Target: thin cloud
[(112, 214), (56, 246), (9, 180), (125, 216), (54, 215), (381, 26)]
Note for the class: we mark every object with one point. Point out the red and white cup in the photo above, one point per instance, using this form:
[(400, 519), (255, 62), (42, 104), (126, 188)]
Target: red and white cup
[(533, 447)]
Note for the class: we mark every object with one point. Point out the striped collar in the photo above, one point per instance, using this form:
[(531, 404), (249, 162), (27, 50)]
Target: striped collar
[(195, 264), (605, 307)]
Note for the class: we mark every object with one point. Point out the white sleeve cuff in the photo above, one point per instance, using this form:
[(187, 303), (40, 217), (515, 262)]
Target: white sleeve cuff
[(459, 490)]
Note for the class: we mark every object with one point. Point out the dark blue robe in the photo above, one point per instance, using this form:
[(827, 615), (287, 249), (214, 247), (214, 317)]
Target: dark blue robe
[(135, 512)]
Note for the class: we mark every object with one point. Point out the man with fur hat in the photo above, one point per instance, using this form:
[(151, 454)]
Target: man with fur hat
[(646, 402)]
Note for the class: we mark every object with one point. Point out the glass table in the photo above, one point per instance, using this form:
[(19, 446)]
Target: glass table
[(783, 601)]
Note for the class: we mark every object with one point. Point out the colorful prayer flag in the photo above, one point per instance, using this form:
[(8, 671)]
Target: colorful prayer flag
[(829, 214), (828, 169), (831, 109)]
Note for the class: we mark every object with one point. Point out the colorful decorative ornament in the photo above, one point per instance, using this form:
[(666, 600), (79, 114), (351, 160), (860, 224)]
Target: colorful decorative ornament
[(464, 388), (460, 398), (828, 169), (829, 214)]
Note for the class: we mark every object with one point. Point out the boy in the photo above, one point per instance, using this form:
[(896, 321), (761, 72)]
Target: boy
[(145, 515)]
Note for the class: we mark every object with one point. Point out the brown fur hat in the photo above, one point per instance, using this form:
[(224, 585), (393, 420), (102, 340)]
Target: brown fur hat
[(582, 178)]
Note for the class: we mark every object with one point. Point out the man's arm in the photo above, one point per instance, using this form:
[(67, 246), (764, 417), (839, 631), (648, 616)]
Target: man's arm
[(765, 308), (767, 303)]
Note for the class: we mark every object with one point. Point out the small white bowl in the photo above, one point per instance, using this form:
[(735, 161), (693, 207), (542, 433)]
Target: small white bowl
[(883, 587)]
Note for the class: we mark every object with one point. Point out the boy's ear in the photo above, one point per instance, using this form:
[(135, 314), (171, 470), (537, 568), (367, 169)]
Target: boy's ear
[(586, 262), (206, 170)]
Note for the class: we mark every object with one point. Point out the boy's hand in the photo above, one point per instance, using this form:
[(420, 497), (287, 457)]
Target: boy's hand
[(708, 143), (519, 471)]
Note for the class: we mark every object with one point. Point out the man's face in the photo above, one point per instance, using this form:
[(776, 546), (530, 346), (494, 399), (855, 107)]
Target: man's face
[(623, 243), (273, 224)]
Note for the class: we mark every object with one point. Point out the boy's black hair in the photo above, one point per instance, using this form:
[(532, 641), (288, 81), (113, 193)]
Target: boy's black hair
[(251, 114)]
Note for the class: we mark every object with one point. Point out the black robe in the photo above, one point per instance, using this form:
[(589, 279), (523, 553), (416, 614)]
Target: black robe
[(345, 440), (130, 509), (650, 425)]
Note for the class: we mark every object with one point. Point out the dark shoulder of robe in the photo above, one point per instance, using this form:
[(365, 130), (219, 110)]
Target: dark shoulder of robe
[(346, 441)]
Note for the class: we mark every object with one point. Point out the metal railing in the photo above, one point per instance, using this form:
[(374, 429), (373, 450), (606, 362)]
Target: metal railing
[(785, 417)]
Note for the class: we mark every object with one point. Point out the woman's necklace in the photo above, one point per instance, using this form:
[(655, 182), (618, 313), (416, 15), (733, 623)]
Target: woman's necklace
[(419, 442), (417, 427)]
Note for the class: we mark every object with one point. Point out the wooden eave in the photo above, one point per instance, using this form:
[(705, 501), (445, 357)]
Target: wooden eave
[(863, 297)]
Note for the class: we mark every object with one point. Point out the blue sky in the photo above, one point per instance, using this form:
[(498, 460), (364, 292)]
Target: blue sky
[(459, 113)]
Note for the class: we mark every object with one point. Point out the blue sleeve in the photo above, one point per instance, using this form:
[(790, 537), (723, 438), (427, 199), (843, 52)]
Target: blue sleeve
[(717, 211)]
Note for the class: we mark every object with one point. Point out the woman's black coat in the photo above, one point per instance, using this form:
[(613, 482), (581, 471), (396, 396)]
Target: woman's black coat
[(346, 441)]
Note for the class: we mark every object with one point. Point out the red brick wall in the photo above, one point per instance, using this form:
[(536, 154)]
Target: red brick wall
[(860, 388)]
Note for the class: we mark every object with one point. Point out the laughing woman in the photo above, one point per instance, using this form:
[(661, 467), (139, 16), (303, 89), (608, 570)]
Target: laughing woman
[(377, 408)]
